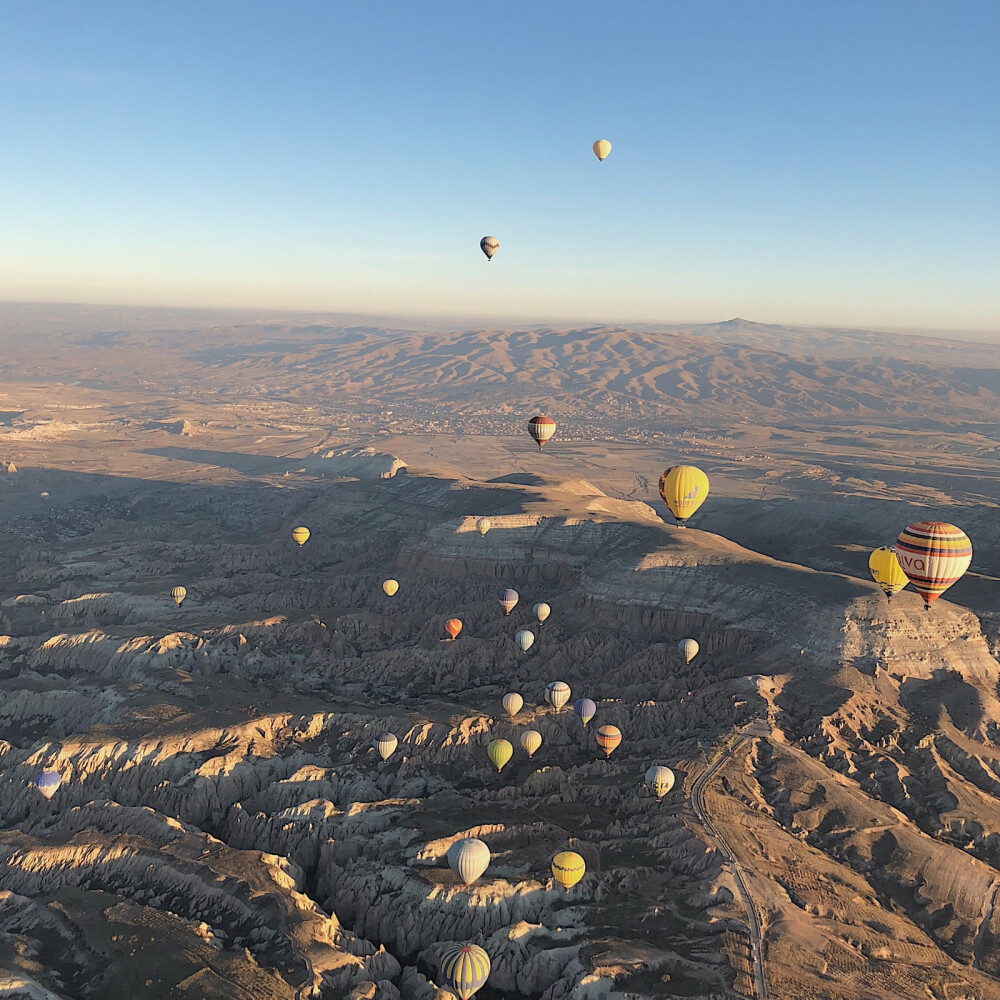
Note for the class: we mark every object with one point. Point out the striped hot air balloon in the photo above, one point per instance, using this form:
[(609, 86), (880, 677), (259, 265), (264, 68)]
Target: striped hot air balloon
[(541, 429), (178, 594), (469, 858), (301, 535), (568, 868), (489, 245), (933, 555), (453, 626), (507, 599), (688, 649), (386, 745), (48, 783), (465, 969), (531, 740), (483, 525), (557, 694), (683, 488), (512, 703), (608, 738)]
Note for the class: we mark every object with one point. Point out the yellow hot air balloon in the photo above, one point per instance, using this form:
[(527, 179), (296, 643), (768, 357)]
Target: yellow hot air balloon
[(568, 868), (531, 740), (301, 535), (601, 149), (178, 594), (683, 488), (390, 587), (886, 571), (499, 752)]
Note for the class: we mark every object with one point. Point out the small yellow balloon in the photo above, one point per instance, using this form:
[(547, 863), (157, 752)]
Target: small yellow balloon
[(390, 587), (568, 868), (531, 740), (601, 149), (500, 752), (301, 535), (178, 594), (683, 488)]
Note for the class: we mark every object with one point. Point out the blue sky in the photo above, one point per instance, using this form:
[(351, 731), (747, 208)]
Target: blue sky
[(801, 162)]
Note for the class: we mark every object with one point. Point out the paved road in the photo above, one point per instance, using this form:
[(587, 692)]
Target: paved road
[(753, 921)]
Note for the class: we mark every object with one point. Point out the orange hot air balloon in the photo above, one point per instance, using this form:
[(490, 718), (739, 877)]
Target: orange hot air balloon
[(541, 429), (608, 738), (453, 626), (933, 555)]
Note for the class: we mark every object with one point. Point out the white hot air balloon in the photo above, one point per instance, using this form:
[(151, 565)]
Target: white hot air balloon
[(489, 245), (525, 640), (542, 611), (557, 694), (689, 649), (512, 703), (468, 859), (483, 525), (386, 745), (660, 779)]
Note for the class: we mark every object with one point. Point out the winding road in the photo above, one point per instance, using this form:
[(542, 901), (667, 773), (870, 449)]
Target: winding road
[(755, 729)]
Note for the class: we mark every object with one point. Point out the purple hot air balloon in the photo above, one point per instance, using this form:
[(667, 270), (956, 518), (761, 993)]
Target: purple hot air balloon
[(508, 598), (585, 709), (48, 783)]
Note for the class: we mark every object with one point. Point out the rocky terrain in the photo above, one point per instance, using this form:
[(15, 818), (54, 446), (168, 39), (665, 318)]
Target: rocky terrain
[(224, 827)]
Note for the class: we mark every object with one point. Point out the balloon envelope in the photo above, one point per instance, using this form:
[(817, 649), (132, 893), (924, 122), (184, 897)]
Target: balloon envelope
[(660, 779), (608, 738), (531, 740), (933, 555), (301, 535), (512, 703), (390, 587), (689, 649), (178, 594), (886, 571), (568, 868), (683, 488), (489, 245), (507, 599), (525, 639), (453, 626), (499, 752), (468, 859), (586, 709), (601, 149), (386, 745), (542, 611), (557, 694), (465, 969), (483, 525), (541, 429), (48, 783)]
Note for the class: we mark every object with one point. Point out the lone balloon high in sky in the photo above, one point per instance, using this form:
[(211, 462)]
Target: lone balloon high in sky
[(933, 555), (601, 149), (489, 245), (683, 488)]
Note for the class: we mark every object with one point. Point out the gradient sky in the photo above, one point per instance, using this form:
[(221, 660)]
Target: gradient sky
[(804, 161)]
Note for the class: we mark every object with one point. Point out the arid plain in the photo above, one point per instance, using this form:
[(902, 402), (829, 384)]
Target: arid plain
[(225, 829)]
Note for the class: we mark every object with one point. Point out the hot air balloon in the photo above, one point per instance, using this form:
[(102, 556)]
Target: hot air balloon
[(386, 745), (568, 868), (689, 649), (301, 535), (499, 752), (465, 969), (512, 703), (525, 640), (453, 626), (601, 149), (489, 245), (608, 738), (178, 594), (390, 587), (468, 859), (507, 599), (483, 525), (886, 571), (557, 694), (660, 779), (933, 555), (585, 709), (531, 740), (683, 488), (541, 429), (48, 783), (542, 611)]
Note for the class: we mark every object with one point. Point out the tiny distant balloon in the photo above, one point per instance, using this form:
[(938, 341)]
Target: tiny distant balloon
[(390, 587), (886, 571), (541, 428), (386, 745), (568, 868), (512, 703), (178, 594), (499, 752), (585, 710), (542, 611), (531, 740), (483, 525), (557, 694), (508, 600), (48, 783), (933, 555), (43, 494), (660, 779), (525, 640), (608, 738), (689, 649), (465, 969), (468, 859), (453, 626), (301, 535), (683, 488), (601, 149), (489, 245)]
